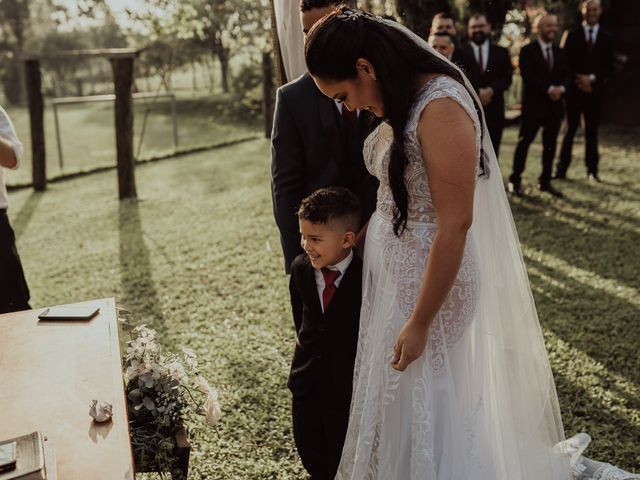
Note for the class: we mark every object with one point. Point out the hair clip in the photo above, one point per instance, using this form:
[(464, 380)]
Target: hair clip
[(355, 14)]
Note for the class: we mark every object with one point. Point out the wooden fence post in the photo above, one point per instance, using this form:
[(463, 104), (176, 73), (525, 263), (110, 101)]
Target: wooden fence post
[(267, 90), (123, 80), (36, 118)]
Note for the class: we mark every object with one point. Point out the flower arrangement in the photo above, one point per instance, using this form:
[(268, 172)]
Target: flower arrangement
[(164, 391)]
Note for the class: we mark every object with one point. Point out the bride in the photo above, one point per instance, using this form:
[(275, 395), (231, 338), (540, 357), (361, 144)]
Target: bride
[(452, 379)]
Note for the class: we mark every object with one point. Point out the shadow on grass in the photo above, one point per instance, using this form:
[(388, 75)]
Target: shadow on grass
[(23, 217), (597, 323), (594, 250), (139, 294), (582, 412)]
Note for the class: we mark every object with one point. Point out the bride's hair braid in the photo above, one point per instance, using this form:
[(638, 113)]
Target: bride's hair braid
[(332, 48)]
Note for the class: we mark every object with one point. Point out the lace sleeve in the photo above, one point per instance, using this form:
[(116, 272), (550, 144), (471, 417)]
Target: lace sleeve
[(442, 87)]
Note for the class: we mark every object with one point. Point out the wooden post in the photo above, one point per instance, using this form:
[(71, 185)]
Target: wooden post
[(281, 75), (267, 93), (36, 117), (123, 80)]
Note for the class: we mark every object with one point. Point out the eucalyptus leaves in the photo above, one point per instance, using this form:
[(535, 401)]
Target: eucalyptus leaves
[(164, 391)]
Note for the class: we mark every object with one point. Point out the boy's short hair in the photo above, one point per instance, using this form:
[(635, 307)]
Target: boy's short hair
[(332, 203)]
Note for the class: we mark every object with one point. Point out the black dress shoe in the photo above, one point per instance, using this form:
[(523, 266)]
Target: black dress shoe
[(549, 189), (593, 178), (515, 189), (560, 176)]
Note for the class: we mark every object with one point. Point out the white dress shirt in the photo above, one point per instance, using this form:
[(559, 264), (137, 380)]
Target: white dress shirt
[(8, 133), (341, 267), (545, 52), (595, 28), (485, 53)]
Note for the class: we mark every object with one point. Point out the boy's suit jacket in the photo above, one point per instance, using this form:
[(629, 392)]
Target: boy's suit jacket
[(326, 346)]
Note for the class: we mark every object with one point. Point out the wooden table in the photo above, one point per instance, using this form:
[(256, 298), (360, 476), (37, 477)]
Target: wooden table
[(49, 373)]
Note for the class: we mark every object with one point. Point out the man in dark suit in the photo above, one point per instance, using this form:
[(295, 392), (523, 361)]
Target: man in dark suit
[(326, 291), (496, 74), (589, 53), (544, 73), (316, 142), (441, 25)]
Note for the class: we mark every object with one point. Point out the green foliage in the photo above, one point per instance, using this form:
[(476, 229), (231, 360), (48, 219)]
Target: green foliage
[(247, 84), (198, 259)]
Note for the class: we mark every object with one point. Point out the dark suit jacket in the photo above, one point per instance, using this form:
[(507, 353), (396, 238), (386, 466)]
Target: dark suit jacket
[(536, 80), (311, 149), (497, 75), (468, 65), (579, 60), (325, 350)]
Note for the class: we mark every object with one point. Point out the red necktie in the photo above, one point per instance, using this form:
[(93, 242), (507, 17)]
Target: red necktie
[(480, 60), (330, 277), (349, 116), (590, 39), (549, 59)]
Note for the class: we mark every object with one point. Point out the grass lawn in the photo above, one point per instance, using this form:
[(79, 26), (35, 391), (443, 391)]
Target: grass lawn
[(197, 257), (87, 130)]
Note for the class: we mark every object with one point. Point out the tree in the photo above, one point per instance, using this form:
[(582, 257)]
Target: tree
[(14, 22), (417, 14)]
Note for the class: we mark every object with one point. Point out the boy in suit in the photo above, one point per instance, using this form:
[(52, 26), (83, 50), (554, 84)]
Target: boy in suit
[(326, 290)]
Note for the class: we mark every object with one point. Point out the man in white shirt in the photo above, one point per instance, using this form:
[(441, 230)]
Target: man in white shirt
[(544, 75), (14, 292), (495, 74)]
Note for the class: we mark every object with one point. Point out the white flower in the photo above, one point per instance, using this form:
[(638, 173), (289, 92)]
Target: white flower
[(212, 408), (190, 359), (201, 384)]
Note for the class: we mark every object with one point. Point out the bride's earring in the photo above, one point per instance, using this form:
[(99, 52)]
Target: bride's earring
[(373, 75)]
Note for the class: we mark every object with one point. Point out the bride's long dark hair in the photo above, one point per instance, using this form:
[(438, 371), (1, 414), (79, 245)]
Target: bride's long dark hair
[(332, 48)]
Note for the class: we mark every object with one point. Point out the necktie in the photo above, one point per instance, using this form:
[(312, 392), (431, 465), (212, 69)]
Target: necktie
[(349, 117), (549, 58), (330, 277), (590, 39), (480, 60)]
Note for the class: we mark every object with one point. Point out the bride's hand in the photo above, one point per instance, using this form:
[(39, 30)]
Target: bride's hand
[(409, 345)]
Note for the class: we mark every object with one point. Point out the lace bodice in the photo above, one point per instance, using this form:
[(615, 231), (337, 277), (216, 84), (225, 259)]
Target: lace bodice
[(377, 150)]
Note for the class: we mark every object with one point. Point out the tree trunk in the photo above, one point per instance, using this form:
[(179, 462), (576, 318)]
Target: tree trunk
[(495, 10), (622, 96), (36, 118), (267, 93), (223, 58), (123, 80), (417, 14)]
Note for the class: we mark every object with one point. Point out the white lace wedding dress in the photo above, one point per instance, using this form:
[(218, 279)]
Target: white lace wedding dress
[(454, 414)]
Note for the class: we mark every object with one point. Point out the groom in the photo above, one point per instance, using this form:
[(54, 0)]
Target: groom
[(315, 143)]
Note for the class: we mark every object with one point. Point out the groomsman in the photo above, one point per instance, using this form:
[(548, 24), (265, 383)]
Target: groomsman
[(316, 142), (543, 71), (589, 53), (496, 71), (441, 25)]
